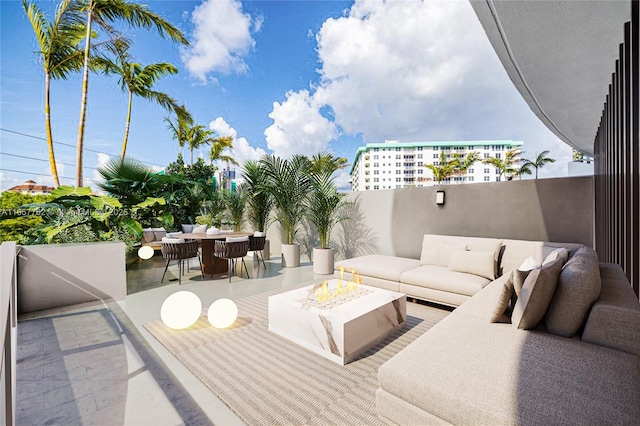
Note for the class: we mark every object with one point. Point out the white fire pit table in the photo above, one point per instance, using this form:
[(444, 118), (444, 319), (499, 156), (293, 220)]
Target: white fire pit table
[(339, 329)]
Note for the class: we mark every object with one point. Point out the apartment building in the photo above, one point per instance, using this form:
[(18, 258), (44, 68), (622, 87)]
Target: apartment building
[(395, 165)]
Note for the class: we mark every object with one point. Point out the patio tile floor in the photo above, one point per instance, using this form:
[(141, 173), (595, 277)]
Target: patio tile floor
[(95, 363)]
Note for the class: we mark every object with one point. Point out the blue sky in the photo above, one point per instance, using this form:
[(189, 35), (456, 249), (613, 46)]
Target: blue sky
[(282, 77)]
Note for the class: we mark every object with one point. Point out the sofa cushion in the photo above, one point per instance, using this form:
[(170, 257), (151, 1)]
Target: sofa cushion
[(444, 252), (614, 319), (159, 233), (501, 295), (440, 278), (379, 266), (147, 235), (431, 242), (536, 295), (481, 263), (578, 288)]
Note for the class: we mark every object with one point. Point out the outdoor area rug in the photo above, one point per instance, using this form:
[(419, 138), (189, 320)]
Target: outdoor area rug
[(266, 379)]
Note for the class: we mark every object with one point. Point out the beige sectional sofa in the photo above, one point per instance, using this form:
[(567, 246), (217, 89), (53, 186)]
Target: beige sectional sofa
[(468, 370)]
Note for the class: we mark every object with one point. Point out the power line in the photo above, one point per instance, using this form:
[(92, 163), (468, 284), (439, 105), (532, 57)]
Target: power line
[(41, 174), (65, 144), (43, 160)]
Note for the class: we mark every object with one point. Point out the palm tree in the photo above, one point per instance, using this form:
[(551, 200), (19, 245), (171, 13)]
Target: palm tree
[(454, 166), (540, 161), (288, 183), (259, 200), (524, 169), (180, 125), (59, 55), (218, 145), (103, 13), (324, 202), (506, 166), (138, 80), (197, 136), (236, 202)]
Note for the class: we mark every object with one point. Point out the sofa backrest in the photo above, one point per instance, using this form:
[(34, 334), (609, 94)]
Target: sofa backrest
[(435, 248), (514, 252)]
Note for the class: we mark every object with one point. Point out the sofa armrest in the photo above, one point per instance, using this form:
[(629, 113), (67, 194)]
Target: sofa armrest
[(614, 320)]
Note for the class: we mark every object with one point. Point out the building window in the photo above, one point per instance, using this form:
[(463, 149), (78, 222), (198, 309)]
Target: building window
[(470, 178), (376, 187), (436, 163), (375, 157), (435, 148), (420, 171), (398, 149), (436, 155), (398, 179), (487, 147), (398, 186), (398, 164), (376, 149), (398, 156), (486, 170), (398, 172), (376, 164), (487, 155), (486, 178), (420, 163), (498, 155), (419, 155), (470, 171), (497, 171), (376, 179), (498, 179), (419, 148), (376, 172)]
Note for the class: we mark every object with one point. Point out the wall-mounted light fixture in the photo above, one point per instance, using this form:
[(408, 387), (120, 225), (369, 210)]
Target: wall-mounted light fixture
[(440, 198)]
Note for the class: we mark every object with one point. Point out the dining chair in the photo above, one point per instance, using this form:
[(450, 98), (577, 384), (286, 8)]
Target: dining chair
[(256, 245), (231, 249), (180, 250)]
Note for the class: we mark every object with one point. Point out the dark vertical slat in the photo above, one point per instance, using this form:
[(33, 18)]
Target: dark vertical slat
[(635, 147)]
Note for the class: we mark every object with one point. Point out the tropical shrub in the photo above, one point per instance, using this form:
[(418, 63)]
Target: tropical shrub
[(12, 227)]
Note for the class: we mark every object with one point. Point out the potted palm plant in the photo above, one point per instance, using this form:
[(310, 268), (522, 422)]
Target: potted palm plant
[(324, 207), (235, 204), (259, 200), (288, 183)]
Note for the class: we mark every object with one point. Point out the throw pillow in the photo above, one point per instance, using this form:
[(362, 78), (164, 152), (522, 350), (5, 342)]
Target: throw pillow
[(159, 233), (147, 235), (535, 296), (497, 310), (187, 229), (520, 274), (479, 263), (444, 250), (199, 229), (578, 288), (560, 253)]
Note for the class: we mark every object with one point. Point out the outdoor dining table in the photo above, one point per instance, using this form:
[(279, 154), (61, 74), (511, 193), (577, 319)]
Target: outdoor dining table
[(210, 264)]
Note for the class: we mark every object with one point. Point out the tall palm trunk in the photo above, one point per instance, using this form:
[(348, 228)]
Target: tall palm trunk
[(83, 102), (47, 119), (126, 129)]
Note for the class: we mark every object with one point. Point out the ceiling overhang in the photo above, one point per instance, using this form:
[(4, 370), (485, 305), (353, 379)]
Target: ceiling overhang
[(560, 55)]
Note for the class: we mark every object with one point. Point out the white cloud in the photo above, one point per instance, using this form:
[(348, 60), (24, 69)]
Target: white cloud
[(242, 149), (7, 182), (298, 126), (102, 160), (410, 71), (222, 36)]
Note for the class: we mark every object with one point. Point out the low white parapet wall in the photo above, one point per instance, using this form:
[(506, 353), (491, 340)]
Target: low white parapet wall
[(58, 275)]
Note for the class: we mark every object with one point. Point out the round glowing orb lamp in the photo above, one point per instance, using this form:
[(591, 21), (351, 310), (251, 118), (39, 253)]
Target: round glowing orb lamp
[(145, 252), (181, 310), (222, 313)]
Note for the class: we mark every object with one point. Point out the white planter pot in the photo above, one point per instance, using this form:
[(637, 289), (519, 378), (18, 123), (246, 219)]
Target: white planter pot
[(290, 255), (323, 261)]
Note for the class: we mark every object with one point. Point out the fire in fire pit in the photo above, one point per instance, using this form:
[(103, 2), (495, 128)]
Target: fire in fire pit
[(335, 292)]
